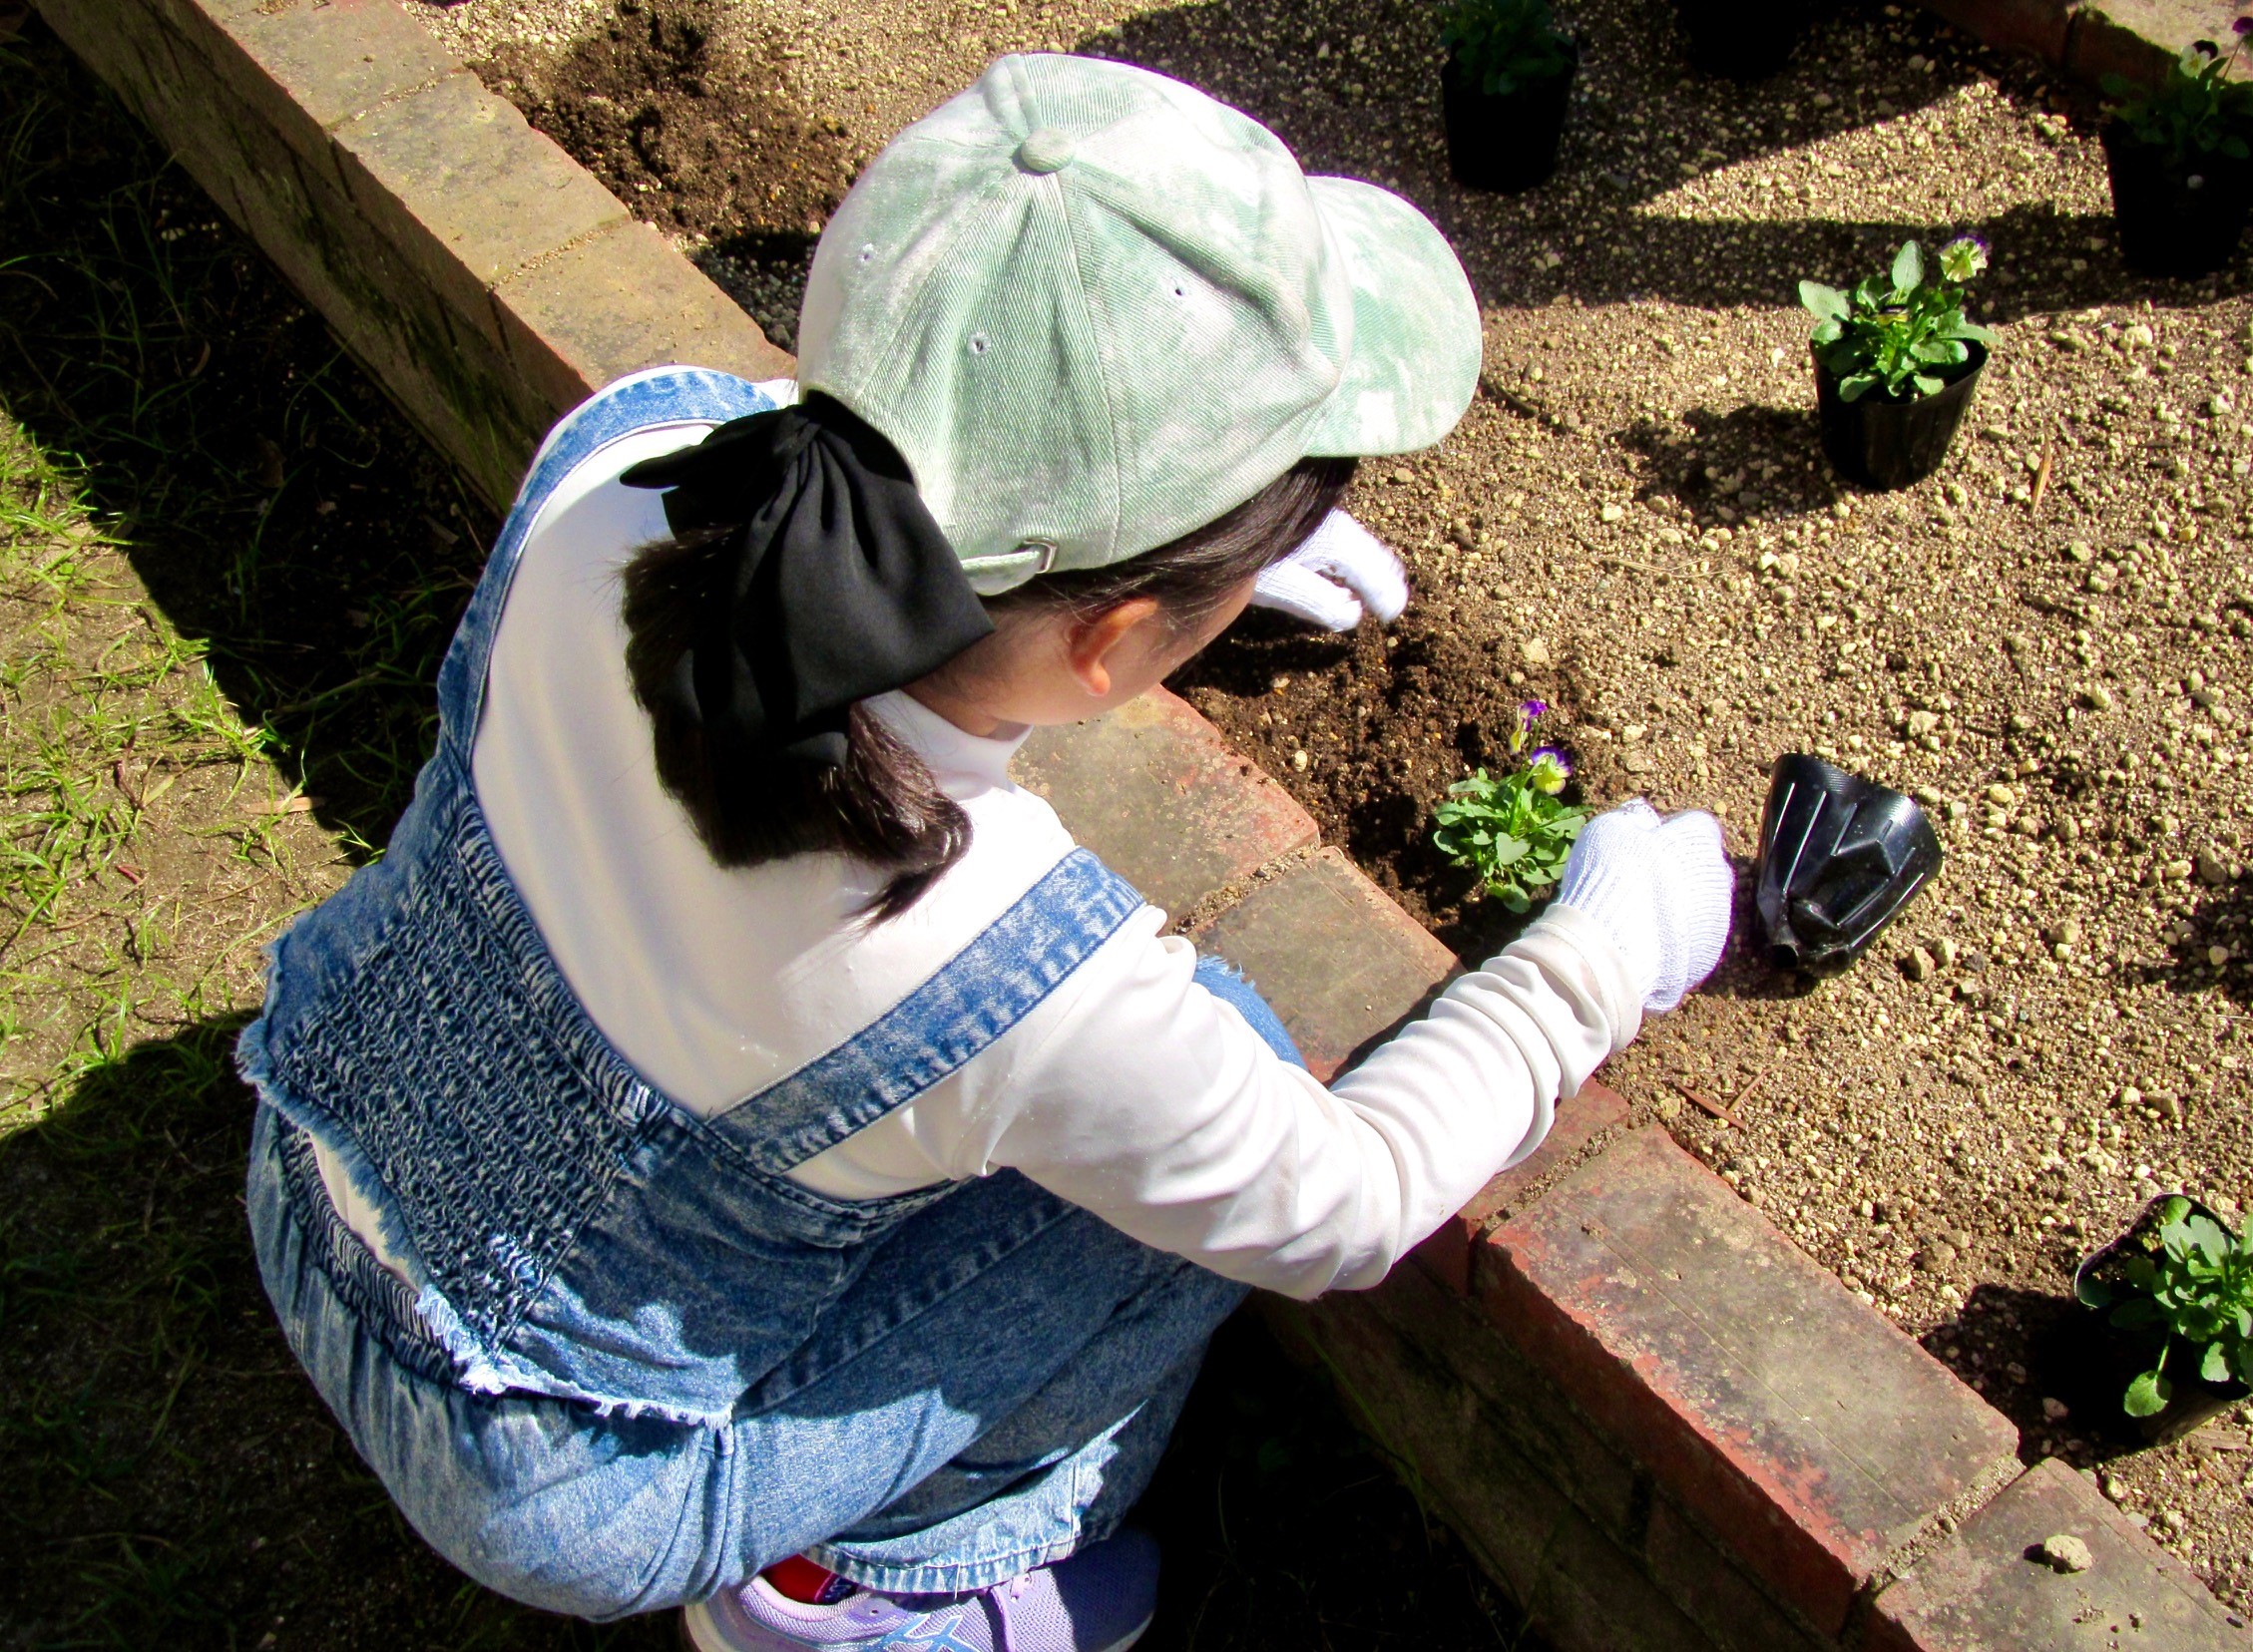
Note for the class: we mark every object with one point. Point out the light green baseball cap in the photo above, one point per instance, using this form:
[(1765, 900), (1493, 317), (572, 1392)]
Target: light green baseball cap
[(1095, 308)]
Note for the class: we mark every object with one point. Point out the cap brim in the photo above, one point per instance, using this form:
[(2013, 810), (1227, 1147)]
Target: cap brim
[(1417, 338)]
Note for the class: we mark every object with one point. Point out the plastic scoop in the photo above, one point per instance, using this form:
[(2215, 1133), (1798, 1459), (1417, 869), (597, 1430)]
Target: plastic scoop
[(1839, 858)]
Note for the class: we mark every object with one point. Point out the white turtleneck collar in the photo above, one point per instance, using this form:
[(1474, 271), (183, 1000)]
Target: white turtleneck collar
[(954, 754)]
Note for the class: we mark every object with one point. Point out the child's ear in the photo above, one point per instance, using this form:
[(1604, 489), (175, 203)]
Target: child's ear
[(1089, 645)]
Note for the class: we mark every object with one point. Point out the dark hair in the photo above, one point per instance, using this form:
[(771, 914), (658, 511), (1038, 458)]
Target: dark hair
[(882, 805)]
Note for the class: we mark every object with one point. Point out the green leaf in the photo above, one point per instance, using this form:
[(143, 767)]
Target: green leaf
[(1827, 332), (1977, 334), (1908, 268), (1927, 385), (2175, 1210), (2235, 148), (2138, 1313), (2212, 1242), (2141, 1272), (1855, 388), (2214, 1367), (2093, 1292), (2148, 1395), (1827, 304)]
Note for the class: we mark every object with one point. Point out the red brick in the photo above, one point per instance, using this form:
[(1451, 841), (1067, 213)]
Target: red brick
[(465, 192), (2036, 26), (1979, 1589), (1153, 789), (1766, 1400), (1446, 1255), (1339, 961), (307, 68), (623, 300), (1549, 1509), (2140, 38)]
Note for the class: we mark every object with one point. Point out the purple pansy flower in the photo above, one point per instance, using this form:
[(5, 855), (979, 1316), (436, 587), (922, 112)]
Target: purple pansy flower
[(1547, 769)]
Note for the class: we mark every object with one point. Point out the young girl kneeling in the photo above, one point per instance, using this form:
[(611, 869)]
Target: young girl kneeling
[(734, 1150)]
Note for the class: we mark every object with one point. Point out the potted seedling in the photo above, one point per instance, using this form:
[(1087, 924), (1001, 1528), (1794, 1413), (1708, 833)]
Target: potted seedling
[(1504, 91), (1514, 830), (2181, 160), (1896, 363), (2176, 1290), (1742, 39)]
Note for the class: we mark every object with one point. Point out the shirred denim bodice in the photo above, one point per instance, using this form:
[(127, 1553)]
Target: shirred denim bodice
[(561, 1226)]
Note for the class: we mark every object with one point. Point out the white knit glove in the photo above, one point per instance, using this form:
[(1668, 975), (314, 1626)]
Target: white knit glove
[(1340, 570), (1661, 889)]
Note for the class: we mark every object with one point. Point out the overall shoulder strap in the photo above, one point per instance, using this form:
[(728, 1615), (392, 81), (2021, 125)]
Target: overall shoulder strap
[(660, 395), (970, 1002)]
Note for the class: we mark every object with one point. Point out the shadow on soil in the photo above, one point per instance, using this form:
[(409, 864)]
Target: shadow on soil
[(1371, 111), (171, 1479)]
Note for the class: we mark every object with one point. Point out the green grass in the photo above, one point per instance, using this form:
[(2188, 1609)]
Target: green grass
[(228, 569)]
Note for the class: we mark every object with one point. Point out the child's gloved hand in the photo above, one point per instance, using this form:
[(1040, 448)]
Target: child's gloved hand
[(1661, 889), (1340, 570)]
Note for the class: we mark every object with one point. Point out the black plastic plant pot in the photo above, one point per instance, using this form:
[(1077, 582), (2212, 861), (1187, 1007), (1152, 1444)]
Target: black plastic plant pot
[(1840, 856), (1885, 443), (1742, 39), (2175, 220), (1505, 142), (2104, 1359)]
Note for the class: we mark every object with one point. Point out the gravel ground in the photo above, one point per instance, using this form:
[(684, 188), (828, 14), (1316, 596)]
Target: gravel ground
[(2044, 641)]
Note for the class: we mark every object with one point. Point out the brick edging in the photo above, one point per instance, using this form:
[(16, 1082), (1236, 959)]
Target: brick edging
[(1617, 1378), (2087, 41)]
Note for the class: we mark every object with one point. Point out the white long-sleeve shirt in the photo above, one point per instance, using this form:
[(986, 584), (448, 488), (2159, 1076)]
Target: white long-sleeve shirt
[(1131, 1091)]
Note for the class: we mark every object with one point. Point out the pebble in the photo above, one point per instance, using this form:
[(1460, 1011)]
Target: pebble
[(2211, 867), (1612, 512), (2066, 1554), (2055, 1411), (1535, 652), (1946, 951), (2098, 697), (1918, 966), (2001, 796)]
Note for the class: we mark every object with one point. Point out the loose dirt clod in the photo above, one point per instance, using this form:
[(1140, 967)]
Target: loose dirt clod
[(2066, 1554)]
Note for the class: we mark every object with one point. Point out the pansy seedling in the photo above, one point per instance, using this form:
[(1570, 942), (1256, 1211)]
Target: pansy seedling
[(1515, 830), (2192, 1281), (1902, 334)]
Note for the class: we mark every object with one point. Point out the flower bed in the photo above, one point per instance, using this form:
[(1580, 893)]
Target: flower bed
[(1636, 523)]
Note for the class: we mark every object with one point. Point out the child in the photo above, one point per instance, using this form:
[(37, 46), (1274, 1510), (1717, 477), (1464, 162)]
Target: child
[(734, 1150)]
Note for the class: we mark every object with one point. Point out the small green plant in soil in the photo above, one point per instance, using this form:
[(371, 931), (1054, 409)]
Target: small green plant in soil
[(2195, 1283), (1503, 45), (1901, 333), (1515, 830), (2197, 112)]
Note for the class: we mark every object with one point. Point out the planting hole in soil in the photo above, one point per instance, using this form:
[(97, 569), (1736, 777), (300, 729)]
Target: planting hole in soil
[(2042, 642)]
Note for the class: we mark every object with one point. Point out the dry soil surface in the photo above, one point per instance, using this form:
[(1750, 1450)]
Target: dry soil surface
[(2045, 641)]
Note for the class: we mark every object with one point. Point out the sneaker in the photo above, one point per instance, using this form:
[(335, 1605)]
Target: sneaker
[(1099, 1601)]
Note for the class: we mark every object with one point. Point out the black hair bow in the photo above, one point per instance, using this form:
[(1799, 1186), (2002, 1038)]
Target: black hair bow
[(837, 586)]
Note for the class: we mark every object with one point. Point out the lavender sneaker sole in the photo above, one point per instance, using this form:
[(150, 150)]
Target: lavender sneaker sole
[(701, 1632)]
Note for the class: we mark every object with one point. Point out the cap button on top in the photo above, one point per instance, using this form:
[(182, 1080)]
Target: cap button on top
[(1044, 150)]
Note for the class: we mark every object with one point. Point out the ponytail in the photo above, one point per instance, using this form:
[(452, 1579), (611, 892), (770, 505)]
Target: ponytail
[(882, 805)]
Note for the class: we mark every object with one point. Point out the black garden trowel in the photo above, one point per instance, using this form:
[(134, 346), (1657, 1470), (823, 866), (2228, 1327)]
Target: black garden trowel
[(1839, 858)]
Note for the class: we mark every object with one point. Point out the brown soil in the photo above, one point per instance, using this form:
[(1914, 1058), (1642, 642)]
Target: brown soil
[(1634, 522), (672, 106)]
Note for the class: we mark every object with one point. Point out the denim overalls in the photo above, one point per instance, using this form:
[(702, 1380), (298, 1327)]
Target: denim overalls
[(629, 1361)]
